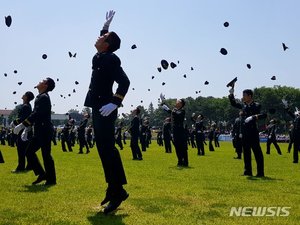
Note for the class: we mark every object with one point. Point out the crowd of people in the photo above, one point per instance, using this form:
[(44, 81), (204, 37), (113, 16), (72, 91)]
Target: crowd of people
[(32, 129)]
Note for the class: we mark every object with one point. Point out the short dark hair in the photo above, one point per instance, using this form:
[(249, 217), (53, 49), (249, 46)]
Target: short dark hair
[(50, 84), (182, 102), (137, 111), (114, 41), (248, 92), (29, 95)]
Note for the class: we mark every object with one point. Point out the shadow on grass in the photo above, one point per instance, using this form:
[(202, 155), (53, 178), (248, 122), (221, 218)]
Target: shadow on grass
[(263, 178), (111, 219), (36, 188), (181, 167)]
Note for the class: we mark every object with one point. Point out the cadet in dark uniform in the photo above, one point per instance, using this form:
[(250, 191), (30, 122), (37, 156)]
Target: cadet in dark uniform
[(192, 132), (159, 138), (40, 119), (107, 70), (81, 134), (118, 135), (211, 135), (271, 131), (180, 142), (216, 137), (167, 134), (24, 111), (135, 133), (296, 130), (66, 137), (237, 135), (143, 135), (291, 138), (89, 136), (54, 136), (250, 135), (199, 130)]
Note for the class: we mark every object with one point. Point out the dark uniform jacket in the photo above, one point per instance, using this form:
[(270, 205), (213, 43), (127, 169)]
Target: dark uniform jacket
[(40, 117), (106, 70)]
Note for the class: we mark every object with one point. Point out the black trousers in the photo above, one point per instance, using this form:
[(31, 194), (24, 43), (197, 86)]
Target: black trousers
[(168, 146), (119, 142), (251, 141), (296, 149), (200, 145), (211, 147), (238, 145), (104, 129), (21, 148), (135, 148), (180, 144), (42, 140), (82, 143), (273, 141), (1, 157), (143, 141), (67, 140)]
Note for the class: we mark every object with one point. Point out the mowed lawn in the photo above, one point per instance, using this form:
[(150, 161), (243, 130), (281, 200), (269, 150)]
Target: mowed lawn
[(160, 193)]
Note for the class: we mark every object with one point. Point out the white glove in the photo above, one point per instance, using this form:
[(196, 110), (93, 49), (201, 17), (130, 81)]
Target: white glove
[(165, 107), (231, 91), (162, 97), (12, 125), (109, 17), (248, 119), (24, 135), (18, 128), (285, 103), (193, 115), (106, 110)]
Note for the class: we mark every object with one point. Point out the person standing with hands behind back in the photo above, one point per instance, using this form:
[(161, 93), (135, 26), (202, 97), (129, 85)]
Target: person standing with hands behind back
[(107, 70)]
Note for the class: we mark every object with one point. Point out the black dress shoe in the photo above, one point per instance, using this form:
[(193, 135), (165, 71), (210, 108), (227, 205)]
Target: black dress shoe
[(123, 196), (260, 175), (39, 179), (115, 202)]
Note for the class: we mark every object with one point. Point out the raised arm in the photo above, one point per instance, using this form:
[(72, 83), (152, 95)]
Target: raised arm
[(109, 17)]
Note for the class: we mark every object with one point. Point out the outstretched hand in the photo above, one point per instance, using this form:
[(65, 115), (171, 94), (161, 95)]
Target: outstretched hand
[(109, 17)]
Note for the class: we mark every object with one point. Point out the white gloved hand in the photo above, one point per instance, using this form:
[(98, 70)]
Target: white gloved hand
[(12, 125), (24, 135), (106, 110), (165, 107), (109, 17), (231, 91), (285, 103), (193, 115), (248, 119), (18, 128)]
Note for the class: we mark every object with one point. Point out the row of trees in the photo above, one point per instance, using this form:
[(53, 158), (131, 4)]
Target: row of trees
[(219, 110)]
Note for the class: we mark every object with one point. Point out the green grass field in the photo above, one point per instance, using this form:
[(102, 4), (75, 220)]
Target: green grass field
[(160, 193)]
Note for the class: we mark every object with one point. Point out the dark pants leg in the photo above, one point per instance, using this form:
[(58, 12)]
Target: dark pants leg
[(43, 143), (168, 146), (1, 157), (268, 145), (290, 146), (143, 144), (104, 128), (247, 158), (21, 148), (296, 150), (258, 156), (211, 147), (277, 146), (135, 148), (119, 142), (181, 149)]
